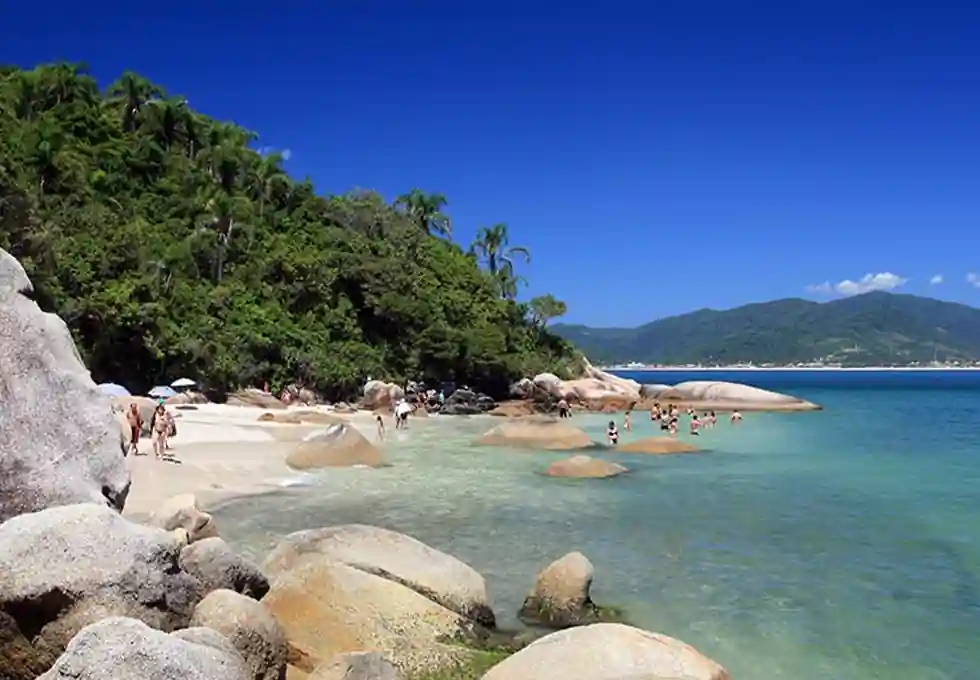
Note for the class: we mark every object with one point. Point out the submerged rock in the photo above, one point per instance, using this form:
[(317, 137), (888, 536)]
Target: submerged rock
[(657, 445), (125, 649), (340, 445), (539, 433), (719, 394), (584, 466), (607, 651), (60, 442)]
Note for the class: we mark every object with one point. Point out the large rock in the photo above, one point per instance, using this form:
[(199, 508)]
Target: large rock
[(537, 433), (402, 559), (340, 445), (329, 608), (584, 467), (250, 628), (59, 440), (467, 403), (301, 418), (255, 398), (125, 649), (380, 394), (66, 567), (607, 651), (657, 445), (182, 512), (212, 562), (560, 597), (357, 666), (727, 395)]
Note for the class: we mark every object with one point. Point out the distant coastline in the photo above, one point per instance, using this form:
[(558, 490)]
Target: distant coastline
[(693, 369)]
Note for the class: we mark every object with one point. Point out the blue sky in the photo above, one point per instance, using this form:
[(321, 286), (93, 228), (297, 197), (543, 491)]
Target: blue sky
[(656, 157)]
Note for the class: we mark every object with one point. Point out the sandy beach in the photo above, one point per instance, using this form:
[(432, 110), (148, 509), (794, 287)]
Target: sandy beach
[(221, 452)]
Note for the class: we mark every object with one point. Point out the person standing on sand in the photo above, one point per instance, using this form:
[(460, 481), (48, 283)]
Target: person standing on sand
[(135, 428), (160, 425)]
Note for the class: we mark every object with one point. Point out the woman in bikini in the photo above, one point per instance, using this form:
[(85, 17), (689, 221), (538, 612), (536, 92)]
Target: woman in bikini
[(161, 428)]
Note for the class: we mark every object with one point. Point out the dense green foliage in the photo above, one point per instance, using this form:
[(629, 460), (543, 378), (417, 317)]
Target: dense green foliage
[(874, 329), (172, 248)]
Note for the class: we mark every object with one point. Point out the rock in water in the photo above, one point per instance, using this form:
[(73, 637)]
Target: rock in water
[(340, 445), (560, 597), (537, 433), (64, 568), (59, 440), (607, 651), (584, 467), (125, 649)]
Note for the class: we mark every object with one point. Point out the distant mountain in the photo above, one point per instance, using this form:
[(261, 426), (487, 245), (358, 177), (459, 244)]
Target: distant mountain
[(871, 329)]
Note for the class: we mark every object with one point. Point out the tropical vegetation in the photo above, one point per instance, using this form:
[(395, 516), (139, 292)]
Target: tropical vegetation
[(874, 329), (171, 246)]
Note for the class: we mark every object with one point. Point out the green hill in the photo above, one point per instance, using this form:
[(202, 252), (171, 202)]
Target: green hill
[(172, 247), (871, 329)]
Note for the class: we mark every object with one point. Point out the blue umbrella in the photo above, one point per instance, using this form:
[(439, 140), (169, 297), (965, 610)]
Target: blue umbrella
[(114, 390), (162, 392)]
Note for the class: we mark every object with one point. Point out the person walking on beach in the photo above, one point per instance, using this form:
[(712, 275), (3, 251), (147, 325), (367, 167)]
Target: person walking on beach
[(160, 426), (135, 421)]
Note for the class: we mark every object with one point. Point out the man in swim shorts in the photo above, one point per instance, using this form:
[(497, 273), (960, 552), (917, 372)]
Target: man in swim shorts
[(135, 428), (563, 411)]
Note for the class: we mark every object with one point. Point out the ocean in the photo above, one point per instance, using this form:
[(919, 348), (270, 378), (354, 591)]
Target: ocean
[(842, 544)]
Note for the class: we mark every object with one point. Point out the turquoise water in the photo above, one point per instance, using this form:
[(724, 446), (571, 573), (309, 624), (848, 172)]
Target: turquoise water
[(842, 544)]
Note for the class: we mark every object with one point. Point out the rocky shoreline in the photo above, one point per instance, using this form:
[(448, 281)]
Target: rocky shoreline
[(87, 593)]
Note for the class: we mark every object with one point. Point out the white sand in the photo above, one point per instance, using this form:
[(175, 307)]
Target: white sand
[(221, 451)]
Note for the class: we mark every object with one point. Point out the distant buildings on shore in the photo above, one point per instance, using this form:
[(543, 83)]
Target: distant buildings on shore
[(638, 366)]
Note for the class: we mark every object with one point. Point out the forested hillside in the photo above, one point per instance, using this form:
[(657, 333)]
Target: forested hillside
[(870, 329), (172, 247)]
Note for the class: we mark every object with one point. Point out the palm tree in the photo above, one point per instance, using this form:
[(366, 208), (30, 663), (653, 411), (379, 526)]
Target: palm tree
[(166, 120), (492, 245), (131, 92), (426, 211), (268, 176)]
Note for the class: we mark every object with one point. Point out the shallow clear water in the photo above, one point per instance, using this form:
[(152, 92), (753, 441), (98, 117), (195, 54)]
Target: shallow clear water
[(839, 544)]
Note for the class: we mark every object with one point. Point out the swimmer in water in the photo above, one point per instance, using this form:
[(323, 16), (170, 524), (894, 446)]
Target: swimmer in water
[(736, 417), (695, 424), (626, 422), (381, 427), (612, 434), (672, 427)]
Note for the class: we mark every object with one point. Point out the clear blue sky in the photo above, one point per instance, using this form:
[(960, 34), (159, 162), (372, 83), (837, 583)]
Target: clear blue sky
[(655, 156)]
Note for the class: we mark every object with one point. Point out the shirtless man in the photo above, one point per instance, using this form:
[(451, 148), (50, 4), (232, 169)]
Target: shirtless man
[(135, 428)]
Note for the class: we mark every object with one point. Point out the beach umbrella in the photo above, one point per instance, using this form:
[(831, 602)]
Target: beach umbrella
[(114, 390), (183, 382), (162, 392)]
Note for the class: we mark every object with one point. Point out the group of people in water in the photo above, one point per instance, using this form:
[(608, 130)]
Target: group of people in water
[(668, 417)]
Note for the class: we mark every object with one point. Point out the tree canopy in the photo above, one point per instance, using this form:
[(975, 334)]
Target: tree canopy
[(172, 247)]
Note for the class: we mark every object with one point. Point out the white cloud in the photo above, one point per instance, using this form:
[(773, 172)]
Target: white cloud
[(936, 280), (866, 284), (287, 154), (973, 279)]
